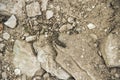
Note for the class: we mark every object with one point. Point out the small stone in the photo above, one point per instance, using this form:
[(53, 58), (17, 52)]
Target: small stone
[(117, 75), (6, 36), (40, 72), (33, 9), (63, 28), (2, 7), (91, 26), (2, 47), (78, 29), (44, 5), (49, 14), (11, 22), (30, 38), (69, 26), (35, 23), (71, 20), (4, 75), (17, 72), (26, 35)]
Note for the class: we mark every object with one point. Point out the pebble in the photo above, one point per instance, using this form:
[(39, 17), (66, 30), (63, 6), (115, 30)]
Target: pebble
[(33, 9), (46, 76), (4, 75), (65, 27), (26, 34), (70, 20), (6, 36), (44, 5), (30, 38), (17, 72), (69, 26), (117, 75), (11, 22), (49, 14), (40, 72), (2, 46), (91, 26)]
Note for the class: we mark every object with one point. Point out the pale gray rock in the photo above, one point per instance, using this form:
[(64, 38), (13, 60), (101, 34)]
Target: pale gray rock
[(4, 76), (16, 7), (46, 57), (30, 38), (19, 9), (11, 22), (70, 19), (49, 14), (33, 9), (65, 27), (91, 26), (80, 59), (17, 71), (2, 47), (24, 58), (44, 5), (6, 36), (111, 50)]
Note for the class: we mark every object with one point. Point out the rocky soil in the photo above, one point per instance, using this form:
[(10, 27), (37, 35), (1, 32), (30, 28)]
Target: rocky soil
[(59, 39)]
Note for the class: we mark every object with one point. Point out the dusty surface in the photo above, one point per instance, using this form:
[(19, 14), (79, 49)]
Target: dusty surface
[(59, 40)]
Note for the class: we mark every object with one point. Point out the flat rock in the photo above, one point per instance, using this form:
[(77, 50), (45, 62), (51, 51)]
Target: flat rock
[(80, 59), (11, 22), (49, 14), (111, 51), (16, 7), (33, 9), (46, 56), (24, 58)]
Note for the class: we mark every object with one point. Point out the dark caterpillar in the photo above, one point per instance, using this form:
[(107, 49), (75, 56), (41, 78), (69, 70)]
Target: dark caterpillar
[(54, 39)]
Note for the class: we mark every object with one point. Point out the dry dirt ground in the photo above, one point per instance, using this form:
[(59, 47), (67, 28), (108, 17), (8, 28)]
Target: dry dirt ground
[(59, 39)]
